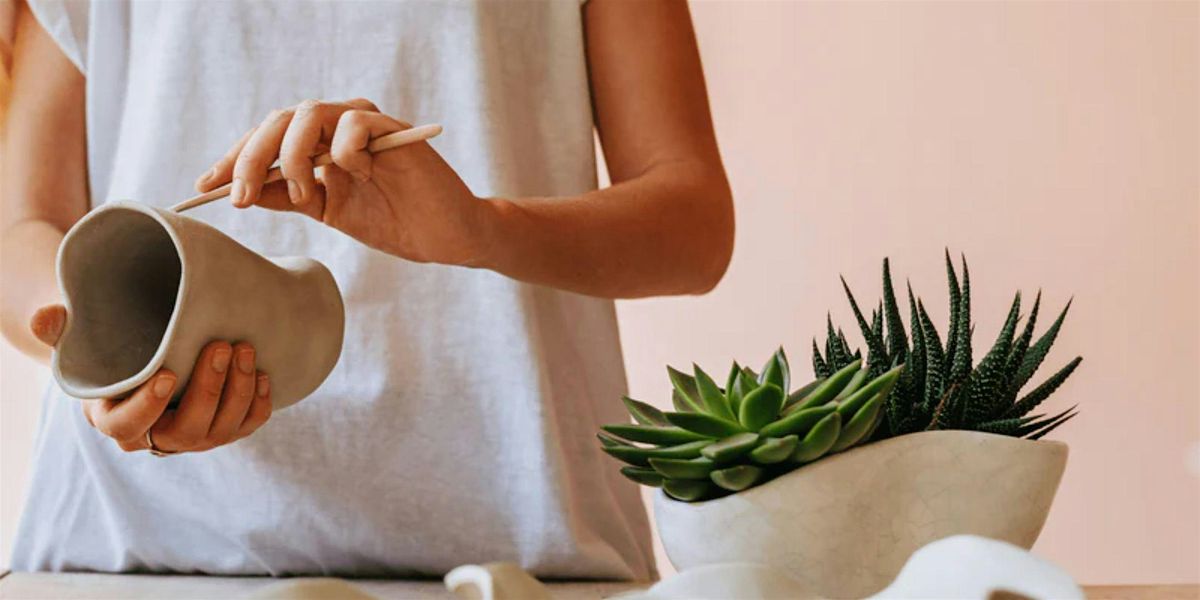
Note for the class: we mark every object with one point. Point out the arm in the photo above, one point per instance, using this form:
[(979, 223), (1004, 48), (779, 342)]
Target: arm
[(45, 192), (44, 179), (666, 224), (664, 227)]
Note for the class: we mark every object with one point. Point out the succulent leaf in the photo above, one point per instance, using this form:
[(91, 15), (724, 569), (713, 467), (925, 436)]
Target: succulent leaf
[(935, 360), (609, 441), (819, 439), (737, 478), (643, 476), (704, 425), (687, 490), (820, 368), (987, 387), (760, 407), (639, 456), (644, 413), (734, 392), (876, 351), (800, 394), (683, 468), (730, 448), (859, 425), (1016, 356), (653, 434), (897, 340), (774, 450), (852, 386), (714, 401), (830, 388), (1037, 435), (960, 365), (955, 301), (798, 422), (776, 371), (685, 390), (1043, 391), (879, 387), (1037, 353)]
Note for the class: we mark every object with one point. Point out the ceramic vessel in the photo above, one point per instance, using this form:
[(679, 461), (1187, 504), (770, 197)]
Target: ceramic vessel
[(845, 525), (147, 288)]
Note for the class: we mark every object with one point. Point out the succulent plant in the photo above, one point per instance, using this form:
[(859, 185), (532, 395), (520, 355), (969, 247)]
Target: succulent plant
[(724, 440), (942, 388)]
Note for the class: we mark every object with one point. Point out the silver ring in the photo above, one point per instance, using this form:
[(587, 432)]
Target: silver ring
[(155, 450)]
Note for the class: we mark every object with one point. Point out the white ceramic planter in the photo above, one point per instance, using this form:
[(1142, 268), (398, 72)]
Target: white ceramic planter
[(845, 525), (146, 288)]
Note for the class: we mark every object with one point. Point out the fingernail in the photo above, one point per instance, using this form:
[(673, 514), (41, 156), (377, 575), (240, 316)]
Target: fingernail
[(163, 385), (220, 359), (293, 192), (263, 386), (245, 361), (237, 192), (206, 176)]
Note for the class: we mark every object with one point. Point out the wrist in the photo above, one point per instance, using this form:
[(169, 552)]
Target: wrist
[(486, 238)]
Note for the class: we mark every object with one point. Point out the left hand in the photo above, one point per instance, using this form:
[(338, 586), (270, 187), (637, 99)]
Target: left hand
[(407, 201)]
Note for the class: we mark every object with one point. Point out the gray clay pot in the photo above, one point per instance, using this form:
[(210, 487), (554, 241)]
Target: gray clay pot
[(147, 288)]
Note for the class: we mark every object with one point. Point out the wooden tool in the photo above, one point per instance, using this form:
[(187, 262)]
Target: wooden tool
[(377, 145)]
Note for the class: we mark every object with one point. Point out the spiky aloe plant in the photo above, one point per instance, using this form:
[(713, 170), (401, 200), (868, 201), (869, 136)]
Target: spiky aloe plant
[(942, 388), (723, 440)]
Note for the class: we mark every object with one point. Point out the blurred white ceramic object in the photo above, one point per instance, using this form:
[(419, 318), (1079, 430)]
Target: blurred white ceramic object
[(962, 567), (495, 581)]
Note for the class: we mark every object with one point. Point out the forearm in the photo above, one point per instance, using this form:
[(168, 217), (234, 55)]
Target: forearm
[(669, 231), (43, 178), (28, 282)]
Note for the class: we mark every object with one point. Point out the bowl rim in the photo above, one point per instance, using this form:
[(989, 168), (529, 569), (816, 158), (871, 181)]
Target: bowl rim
[(661, 496), (124, 386)]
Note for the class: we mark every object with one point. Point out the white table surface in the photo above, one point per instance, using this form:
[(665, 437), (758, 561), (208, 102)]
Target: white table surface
[(93, 586)]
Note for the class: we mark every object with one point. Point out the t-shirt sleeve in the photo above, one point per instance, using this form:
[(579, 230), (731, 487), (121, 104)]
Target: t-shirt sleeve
[(67, 23)]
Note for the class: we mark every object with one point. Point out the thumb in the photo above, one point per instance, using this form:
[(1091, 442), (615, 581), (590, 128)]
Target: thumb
[(48, 322)]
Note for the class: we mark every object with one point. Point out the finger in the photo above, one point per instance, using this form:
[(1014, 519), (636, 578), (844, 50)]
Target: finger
[(355, 129), (313, 123), (127, 420), (260, 151), (188, 429), (275, 197), (236, 398), (48, 322), (260, 408), (222, 170)]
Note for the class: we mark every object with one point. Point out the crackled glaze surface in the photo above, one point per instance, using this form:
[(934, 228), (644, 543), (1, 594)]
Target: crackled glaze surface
[(846, 524)]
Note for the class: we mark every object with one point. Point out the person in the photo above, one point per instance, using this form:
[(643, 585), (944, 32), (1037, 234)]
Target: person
[(481, 349)]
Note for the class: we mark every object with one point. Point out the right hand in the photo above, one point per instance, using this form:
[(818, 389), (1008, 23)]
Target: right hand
[(226, 399)]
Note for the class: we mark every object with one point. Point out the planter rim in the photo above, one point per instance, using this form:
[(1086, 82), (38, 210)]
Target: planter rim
[(990, 438)]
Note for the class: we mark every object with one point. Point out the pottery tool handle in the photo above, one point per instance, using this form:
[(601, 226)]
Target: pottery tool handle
[(377, 145)]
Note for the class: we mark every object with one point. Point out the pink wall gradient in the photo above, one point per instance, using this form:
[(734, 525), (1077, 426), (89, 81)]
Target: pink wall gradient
[(1055, 143)]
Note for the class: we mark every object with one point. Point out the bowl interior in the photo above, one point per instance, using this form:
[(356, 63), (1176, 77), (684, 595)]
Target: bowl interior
[(121, 273)]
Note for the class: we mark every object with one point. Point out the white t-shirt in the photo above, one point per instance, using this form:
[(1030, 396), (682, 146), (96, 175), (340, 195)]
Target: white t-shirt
[(458, 426)]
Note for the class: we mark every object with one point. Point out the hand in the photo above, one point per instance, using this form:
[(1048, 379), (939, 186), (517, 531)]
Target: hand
[(227, 398), (407, 202)]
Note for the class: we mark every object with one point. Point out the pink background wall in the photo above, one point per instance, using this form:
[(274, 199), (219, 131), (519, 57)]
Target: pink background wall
[(1056, 144)]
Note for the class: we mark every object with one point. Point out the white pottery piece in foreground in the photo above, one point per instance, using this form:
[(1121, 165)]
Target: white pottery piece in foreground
[(147, 288), (961, 567), (844, 525)]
